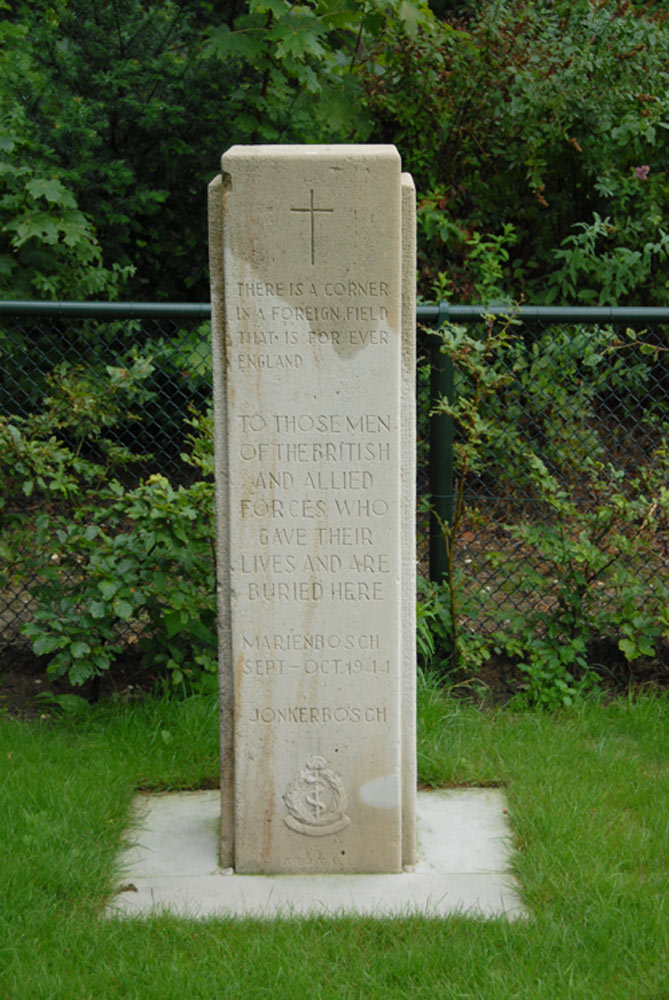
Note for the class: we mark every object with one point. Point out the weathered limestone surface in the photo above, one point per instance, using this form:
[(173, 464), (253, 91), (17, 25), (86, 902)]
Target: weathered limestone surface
[(313, 397), (408, 519)]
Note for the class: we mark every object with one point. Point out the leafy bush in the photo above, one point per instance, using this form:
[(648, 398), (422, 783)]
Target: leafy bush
[(108, 564), (48, 453), (144, 559), (547, 116), (149, 93), (593, 517), (590, 581)]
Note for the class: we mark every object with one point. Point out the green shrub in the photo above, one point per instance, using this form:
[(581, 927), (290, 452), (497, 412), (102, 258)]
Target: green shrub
[(528, 422), (547, 116), (589, 581), (107, 564), (138, 564)]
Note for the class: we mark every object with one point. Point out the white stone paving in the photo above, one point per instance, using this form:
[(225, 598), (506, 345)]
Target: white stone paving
[(171, 864)]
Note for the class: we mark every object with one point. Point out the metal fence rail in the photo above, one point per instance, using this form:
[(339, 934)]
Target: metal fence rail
[(563, 398)]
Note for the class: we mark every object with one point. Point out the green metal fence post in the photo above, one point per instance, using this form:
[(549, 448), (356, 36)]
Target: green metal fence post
[(441, 453)]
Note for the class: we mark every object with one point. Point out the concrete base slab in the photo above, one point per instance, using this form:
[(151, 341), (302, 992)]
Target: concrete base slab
[(171, 865)]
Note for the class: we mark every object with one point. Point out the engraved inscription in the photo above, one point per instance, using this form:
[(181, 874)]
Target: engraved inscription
[(258, 362), (316, 800), (344, 454), (335, 667), (271, 316), (340, 289), (312, 641), (309, 452), (284, 591), (320, 715)]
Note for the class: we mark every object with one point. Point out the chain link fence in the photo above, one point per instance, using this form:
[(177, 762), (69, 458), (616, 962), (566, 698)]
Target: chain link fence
[(573, 423), (41, 342), (574, 385)]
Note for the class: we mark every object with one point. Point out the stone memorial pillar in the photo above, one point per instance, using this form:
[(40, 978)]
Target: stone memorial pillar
[(313, 266)]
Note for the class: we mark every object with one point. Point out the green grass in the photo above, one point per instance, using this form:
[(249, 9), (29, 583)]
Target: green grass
[(588, 793)]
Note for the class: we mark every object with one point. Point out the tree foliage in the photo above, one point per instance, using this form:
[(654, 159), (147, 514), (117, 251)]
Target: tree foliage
[(115, 106), (552, 117), (548, 117), (121, 110)]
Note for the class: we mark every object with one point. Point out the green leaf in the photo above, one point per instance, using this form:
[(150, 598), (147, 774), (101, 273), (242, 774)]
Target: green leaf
[(48, 644), (203, 633), (160, 582), (629, 648), (174, 623), (52, 190), (123, 609), (79, 672), (413, 15), (39, 226), (79, 649), (108, 588), (68, 703)]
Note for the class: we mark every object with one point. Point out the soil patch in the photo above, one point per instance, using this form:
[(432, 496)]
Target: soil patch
[(25, 686), (500, 679)]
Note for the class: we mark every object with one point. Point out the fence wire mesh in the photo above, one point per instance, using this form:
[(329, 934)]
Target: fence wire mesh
[(569, 393), (572, 420), (37, 350)]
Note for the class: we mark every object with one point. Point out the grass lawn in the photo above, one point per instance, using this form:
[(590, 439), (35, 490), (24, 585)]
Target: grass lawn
[(588, 792)]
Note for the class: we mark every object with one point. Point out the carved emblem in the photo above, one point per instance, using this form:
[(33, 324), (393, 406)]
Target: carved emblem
[(316, 800), (311, 211)]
